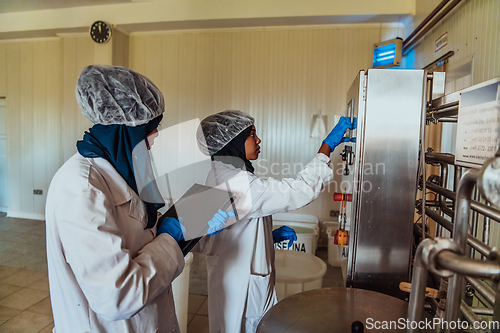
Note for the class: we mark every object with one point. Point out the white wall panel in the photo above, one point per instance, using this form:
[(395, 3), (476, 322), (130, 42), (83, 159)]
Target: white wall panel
[(3, 69), (33, 93), (280, 76), (43, 119)]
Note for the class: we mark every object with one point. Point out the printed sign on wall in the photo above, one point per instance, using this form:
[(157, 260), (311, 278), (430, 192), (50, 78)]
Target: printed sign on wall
[(478, 130), (442, 41)]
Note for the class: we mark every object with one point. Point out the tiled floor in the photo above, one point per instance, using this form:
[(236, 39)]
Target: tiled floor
[(24, 290), (24, 287)]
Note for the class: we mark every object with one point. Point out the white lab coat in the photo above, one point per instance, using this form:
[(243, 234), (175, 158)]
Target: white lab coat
[(107, 273), (240, 259)]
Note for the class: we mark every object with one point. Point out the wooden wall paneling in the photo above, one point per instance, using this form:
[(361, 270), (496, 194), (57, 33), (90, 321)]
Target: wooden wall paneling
[(270, 136), (240, 68), (102, 53), (14, 152), (41, 150), (85, 55), (69, 99), (187, 79), (3, 69), (26, 128), (284, 112), (120, 49), (54, 107), (222, 71), (170, 78), (153, 60), (260, 48), (204, 75), (137, 51)]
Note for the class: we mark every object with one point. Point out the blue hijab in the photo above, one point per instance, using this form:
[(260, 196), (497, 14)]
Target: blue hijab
[(115, 143)]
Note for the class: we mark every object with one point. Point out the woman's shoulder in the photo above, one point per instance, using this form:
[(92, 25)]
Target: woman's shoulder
[(80, 173)]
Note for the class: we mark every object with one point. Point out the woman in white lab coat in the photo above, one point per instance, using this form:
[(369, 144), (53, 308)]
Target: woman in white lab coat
[(240, 259), (109, 270)]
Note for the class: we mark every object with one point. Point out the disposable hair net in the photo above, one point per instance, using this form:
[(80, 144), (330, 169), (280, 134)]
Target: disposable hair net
[(113, 95), (217, 130)]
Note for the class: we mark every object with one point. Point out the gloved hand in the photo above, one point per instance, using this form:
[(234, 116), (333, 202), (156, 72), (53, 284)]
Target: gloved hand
[(336, 135), (344, 139), (284, 233), (218, 222), (173, 227)]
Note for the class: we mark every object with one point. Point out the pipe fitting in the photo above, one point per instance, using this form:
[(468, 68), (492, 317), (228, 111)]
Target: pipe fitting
[(440, 245), (489, 181)]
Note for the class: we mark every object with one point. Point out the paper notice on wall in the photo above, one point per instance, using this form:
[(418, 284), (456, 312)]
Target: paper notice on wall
[(478, 130)]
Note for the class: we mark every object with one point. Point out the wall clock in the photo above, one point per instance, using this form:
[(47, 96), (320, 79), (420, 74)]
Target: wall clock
[(100, 32)]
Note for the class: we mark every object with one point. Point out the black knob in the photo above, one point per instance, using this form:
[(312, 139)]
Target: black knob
[(357, 327)]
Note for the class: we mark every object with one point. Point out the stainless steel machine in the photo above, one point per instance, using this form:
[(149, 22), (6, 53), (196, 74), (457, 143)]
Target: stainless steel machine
[(380, 171)]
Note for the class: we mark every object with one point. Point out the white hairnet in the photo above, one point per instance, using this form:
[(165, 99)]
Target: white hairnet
[(217, 130), (112, 95)]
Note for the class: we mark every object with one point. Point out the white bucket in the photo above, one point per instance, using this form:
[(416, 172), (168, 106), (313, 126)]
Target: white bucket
[(180, 289), (336, 253), (297, 272), (305, 226)]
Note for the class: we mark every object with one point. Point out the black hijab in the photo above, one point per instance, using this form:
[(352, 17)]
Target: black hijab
[(115, 143), (236, 148)]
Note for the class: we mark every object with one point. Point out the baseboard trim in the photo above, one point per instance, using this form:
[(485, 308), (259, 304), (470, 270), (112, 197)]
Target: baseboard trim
[(23, 215)]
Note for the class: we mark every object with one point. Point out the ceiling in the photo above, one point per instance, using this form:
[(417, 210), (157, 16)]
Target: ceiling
[(48, 18), (11, 6)]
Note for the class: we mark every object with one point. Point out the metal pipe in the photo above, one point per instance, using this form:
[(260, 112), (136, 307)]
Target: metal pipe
[(445, 101), (440, 158), (472, 241), (418, 230), (486, 229), (444, 113), (434, 304), (435, 203), (408, 43), (444, 183), (477, 206), (448, 120), (469, 315), (458, 176), (483, 289), (482, 311), (419, 283), (467, 266), (496, 308), (482, 300), (422, 149), (426, 20), (460, 232), (474, 221)]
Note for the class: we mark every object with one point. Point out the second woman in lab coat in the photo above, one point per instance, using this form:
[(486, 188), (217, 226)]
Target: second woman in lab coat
[(240, 259)]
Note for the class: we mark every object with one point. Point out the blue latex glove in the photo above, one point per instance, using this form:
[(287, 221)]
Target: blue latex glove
[(284, 233), (173, 227), (218, 222), (335, 137)]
